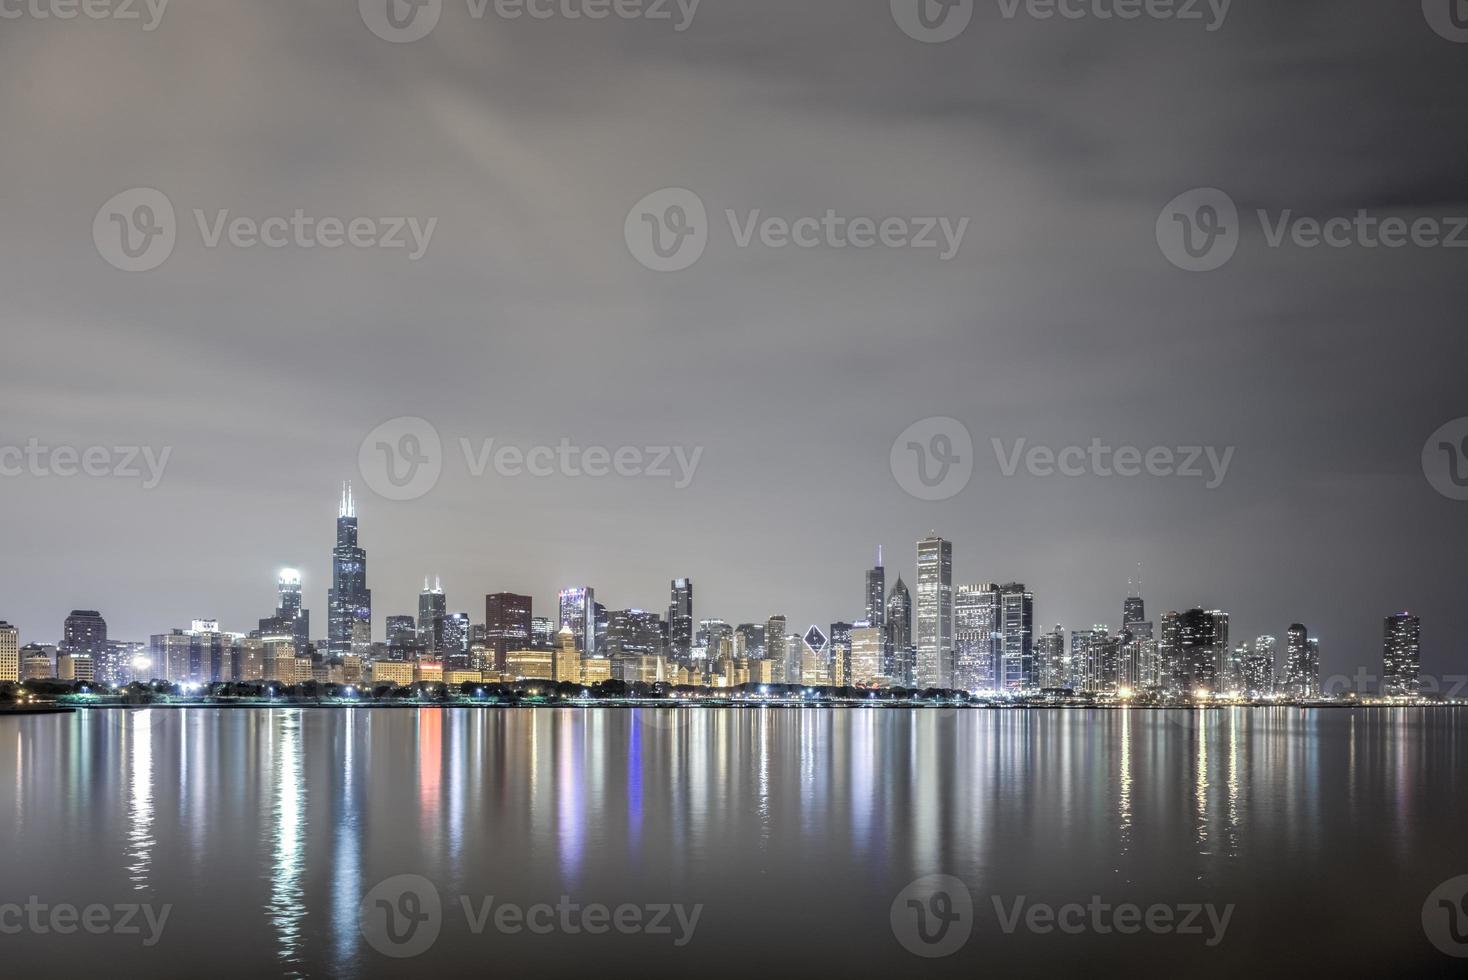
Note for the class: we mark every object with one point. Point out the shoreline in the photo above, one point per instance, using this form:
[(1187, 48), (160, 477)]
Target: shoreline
[(656, 705)]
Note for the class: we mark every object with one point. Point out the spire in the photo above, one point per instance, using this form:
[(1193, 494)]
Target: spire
[(348, 506), (879, 556)]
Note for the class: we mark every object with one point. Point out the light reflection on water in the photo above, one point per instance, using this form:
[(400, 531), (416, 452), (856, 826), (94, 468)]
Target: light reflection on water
[(265, 828)]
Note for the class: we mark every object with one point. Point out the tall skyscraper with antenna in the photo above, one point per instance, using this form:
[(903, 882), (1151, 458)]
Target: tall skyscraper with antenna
[(432, 608), (876, 592), (349, 602)]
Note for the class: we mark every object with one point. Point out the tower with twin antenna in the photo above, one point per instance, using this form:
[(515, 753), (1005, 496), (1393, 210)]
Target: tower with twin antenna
[(349, 602)]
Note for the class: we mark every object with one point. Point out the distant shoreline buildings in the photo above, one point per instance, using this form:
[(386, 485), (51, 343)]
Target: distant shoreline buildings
[(977, 638)]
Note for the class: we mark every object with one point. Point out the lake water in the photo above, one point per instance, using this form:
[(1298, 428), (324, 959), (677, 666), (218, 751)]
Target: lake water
[(730, 842)]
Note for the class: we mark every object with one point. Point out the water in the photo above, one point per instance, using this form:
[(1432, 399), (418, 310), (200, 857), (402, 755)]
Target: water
[(794, 830)]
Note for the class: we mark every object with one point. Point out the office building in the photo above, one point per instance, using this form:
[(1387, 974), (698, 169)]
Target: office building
[(349, 601), (1401, 656), (933, 614)]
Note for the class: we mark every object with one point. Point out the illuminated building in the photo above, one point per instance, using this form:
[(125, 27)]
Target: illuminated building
[(680, 620), (899, 653), (595, 670), (75, 667), (349, 601), (507, 618), (9, 652), (1401, 656), (1051, 661), (529, 665), (85, 633), (749, 641), (578, 614), (402, 632), (1256, 667), (933, 614), (456, 640), (975, 637), (432, 607), (876, 592), (1302, 663), (567, 665), (290, 620), (395, 672), (428, 672), (815, 669), (867, 644), (839, 654), (37, 662), (455, 678), (542, 633), (1203, 649), (777, 654)]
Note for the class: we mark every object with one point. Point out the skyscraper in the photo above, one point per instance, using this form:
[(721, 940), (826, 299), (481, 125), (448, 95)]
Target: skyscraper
[(1302, 663), (507, 618), (84, 634), (9, 652), (433, 605), (976, 637), (775, 644), (1203, 649), (1401, 656), (402, 632), (933, 621), (578, 614), (867, 645), (455, 632), (1017, 639), (680, 621), (752, 638), (876, 592), (899, 652), (1051, 661), (349, 601), (1257, 667), (290, 619)]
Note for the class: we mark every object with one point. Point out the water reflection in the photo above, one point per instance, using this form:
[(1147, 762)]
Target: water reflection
[(140, 842), (287, 823)]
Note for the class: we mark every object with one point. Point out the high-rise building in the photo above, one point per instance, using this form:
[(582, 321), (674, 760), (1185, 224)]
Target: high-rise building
[(1172, 672), (9, 653), (349, 601), (976, 637), (876, 595), (37, 662), (838, 652), (85, 634), (867, 646), (402, 632), (815, 664), (455, 640), (633, 636), (1017, 672), (1133, 609), (680, 621), (749, 641), (542, 633), (1401, 656), (566, 666), (776, 652), (899, 652), (1302, 663), (1257, 666), (1203, 649), (1051, 661), (507, 618), (578, 614), (711, 634), (433, 605), (933, 618)]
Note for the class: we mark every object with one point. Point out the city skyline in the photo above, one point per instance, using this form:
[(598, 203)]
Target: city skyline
[(942, 655)]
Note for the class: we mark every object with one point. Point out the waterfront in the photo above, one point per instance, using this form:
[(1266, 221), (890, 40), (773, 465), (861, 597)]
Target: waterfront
[(792, 831)]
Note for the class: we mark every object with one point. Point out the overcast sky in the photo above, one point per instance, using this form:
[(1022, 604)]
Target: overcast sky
[(528, 319)]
